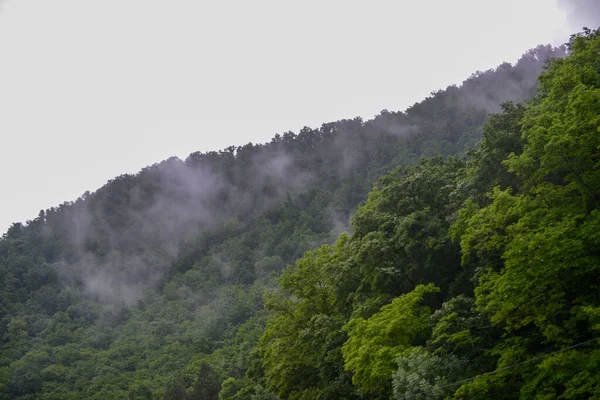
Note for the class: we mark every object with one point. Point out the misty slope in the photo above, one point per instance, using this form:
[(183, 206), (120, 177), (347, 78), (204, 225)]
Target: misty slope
[(126, 292)]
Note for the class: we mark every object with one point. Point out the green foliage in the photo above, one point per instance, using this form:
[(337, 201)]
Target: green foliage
[(537, 246), (520, 288), (544, 232), (424, 376), (501, 137), (207, 384), (301, 346), (374, 344), (401, 233)]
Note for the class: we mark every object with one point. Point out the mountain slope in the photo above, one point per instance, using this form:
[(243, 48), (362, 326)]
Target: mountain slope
[(129, 291), (464, 279)]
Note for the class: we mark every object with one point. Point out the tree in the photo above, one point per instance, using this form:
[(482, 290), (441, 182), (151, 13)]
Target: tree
[(175, 388), (374, 344), (301, 345), (207, 384), (425, 377)]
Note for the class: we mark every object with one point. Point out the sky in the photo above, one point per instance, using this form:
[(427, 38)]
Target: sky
[(90, 90)]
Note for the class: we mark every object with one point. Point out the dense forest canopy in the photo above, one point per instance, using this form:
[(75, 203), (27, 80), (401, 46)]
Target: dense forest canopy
[(470, 269)]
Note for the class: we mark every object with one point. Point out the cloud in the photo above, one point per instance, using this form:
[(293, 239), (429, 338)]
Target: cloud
[(581, 13), (125, 237)]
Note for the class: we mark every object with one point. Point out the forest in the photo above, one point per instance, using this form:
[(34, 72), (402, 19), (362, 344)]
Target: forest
[(448, 251)]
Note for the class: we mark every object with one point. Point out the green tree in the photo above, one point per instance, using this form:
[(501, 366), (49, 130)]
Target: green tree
[(374, 344), (175, 388), (207, 384), (301, 346), (425, 377)]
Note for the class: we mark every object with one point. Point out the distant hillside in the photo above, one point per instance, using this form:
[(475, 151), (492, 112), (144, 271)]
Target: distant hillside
[(152, 285)]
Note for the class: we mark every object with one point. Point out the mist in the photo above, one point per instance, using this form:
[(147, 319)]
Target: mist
[(581, 13), (124, 238)]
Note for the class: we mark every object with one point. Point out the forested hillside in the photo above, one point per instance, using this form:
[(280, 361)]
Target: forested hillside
[(469, 271)]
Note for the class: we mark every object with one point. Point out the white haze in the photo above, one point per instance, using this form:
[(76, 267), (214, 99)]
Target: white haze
[(91, 90), (167, 203), (581, 13)]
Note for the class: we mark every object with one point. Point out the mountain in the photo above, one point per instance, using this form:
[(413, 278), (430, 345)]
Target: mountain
[(172, 283)]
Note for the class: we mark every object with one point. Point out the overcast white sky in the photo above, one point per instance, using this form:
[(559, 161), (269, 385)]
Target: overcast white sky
[(93, 89)]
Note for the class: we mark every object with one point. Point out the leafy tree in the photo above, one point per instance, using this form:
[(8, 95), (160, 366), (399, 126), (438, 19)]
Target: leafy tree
[(175, 388), (401, 234), (374, 344), (207, 384), (424, 376), (301, 346)]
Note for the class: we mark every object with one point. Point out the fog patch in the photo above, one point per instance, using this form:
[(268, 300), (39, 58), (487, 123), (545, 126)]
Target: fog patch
[(581, 13)]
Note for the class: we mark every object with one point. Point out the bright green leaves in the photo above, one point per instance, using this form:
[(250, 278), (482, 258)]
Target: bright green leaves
[(535, 245), (567, 375), (548, 270), (374, 344), (301, 346), (539, 245), (483, 232), (561, 160)]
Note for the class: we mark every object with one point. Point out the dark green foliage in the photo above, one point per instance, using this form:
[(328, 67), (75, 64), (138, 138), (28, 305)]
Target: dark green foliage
[(206, 386), (175, 388)]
